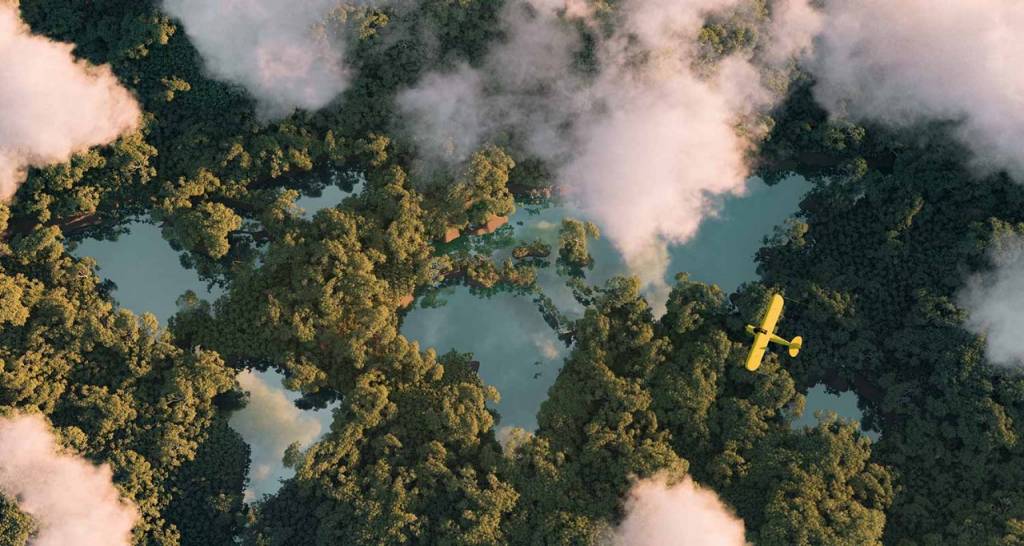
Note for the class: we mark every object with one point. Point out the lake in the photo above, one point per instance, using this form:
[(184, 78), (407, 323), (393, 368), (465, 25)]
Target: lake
[(518, 352)]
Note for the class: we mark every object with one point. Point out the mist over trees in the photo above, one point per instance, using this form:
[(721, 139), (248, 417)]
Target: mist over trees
[(889, 268)]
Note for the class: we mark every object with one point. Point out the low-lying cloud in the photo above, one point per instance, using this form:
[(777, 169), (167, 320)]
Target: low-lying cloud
[(684, 514), (525, 87), (994, 301), (72, 500), (901, 62), (52, 105), (795, 23), (447, 114), (284, 53), (646, 147)]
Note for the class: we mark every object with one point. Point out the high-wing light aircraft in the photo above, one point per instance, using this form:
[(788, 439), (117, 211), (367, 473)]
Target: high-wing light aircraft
[(765, 334)]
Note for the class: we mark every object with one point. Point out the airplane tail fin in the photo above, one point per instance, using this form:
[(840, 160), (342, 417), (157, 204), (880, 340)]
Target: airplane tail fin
[(795, 345)]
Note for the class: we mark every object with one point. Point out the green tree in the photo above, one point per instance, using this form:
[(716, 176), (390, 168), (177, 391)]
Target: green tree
[(597, 428), (876, 260), (15, 526), (638, 396), (476, 195), (326, 293), (411, 458), (119, 391), (573, 250)]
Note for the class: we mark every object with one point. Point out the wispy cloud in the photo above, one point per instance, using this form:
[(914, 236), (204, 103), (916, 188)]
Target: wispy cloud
[(647, 147), (995, 302)]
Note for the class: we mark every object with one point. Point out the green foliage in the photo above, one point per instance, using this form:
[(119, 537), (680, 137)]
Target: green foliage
[(533, 249), (518, 275), (636, 397), (876, 262), (15, 526), (819, 488), (805, 140), (117, 388), (327, 291), (481, 272), (476, 195), (733, 30), (596, 429), (572, 243), (212, 511), (202, 141), (205, 228), (412, 459)]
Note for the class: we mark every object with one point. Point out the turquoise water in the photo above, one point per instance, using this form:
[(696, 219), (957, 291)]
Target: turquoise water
[(147, 271), (149, 278), (269, 424), (329, 197), (843, 404)]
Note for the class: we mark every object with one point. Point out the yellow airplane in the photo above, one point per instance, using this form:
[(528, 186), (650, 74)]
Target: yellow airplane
[(765, 334)]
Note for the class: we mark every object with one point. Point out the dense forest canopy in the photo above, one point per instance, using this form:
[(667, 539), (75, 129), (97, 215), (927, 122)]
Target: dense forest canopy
[(210, 119)]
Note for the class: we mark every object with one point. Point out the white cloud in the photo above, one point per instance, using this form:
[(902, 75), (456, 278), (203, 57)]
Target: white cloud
[(794, 25), (445, 114), (901, 62), (72, 500), (281, 51), (679, 515), (546, 346), (52, 105), (646, 148), (995, 302)]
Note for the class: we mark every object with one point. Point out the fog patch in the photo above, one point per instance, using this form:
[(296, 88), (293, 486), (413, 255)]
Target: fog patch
[(903, 62), (647, 147)]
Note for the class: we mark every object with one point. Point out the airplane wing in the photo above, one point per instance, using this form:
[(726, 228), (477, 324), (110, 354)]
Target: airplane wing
[(763, 337), (771, 318), (757, 350)]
